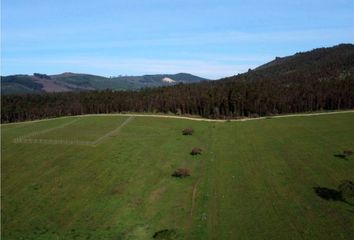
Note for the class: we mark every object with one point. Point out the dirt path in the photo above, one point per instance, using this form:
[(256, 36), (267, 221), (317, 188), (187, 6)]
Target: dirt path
[(187, 118)]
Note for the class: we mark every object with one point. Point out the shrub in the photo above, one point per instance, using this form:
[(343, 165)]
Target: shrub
[(348, 152), (187, 131), (166, 234), (196, 151), (181, 173), (346, 188)]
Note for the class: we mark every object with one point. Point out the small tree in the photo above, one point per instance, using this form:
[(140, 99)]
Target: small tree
[(346, 188), (187, 131), (348, 152), (196, 151), (166, 234), (181, 173)]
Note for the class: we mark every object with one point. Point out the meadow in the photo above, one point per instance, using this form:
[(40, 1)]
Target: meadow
[(253, 180)]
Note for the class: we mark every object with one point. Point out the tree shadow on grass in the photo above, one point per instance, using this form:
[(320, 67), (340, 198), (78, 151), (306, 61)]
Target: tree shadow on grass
[(342, 156), (345, 154), (166, 234), (330, 194)]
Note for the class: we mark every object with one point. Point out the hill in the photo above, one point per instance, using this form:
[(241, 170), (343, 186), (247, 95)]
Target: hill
[(66, 82), (337, 61), (109, 177), (318, 80)]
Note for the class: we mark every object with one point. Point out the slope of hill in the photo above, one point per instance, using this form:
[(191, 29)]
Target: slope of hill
[(337, 61), (39, 83), (264, 179), (342, 53)]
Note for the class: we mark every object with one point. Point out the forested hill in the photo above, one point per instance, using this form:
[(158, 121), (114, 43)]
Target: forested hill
[(321, 79), (67, 82), (318, 63)]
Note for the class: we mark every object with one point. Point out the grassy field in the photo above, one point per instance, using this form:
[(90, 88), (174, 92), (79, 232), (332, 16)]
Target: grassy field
[(254, 179)]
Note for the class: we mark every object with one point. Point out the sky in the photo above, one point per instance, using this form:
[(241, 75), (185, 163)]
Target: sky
[(208, 38)]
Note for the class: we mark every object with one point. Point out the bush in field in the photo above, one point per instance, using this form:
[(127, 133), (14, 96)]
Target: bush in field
[(348, 152), (196, 151), (345, 154), (347, 189), (344, 193), (181, 173), (187, 131), (166, 234)]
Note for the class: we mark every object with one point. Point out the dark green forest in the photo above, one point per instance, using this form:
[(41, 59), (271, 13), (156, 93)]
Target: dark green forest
[(322, 79)]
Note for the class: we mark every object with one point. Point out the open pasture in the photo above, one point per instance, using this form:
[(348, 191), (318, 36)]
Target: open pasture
[(79, 130), (253, 180)]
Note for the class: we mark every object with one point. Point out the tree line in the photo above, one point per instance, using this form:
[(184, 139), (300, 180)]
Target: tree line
[(322, 79), (226, 99)]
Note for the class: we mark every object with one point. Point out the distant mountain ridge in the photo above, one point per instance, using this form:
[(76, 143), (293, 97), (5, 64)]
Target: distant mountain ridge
[(67, 82)]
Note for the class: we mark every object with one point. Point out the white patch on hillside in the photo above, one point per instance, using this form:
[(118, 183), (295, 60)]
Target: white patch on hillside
[(168, 80)]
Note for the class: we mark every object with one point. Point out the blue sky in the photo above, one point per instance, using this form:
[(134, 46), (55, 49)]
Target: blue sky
[(209, 38)]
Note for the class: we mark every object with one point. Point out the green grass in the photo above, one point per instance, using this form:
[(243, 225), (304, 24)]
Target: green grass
[(254, 179), (83, 129)]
